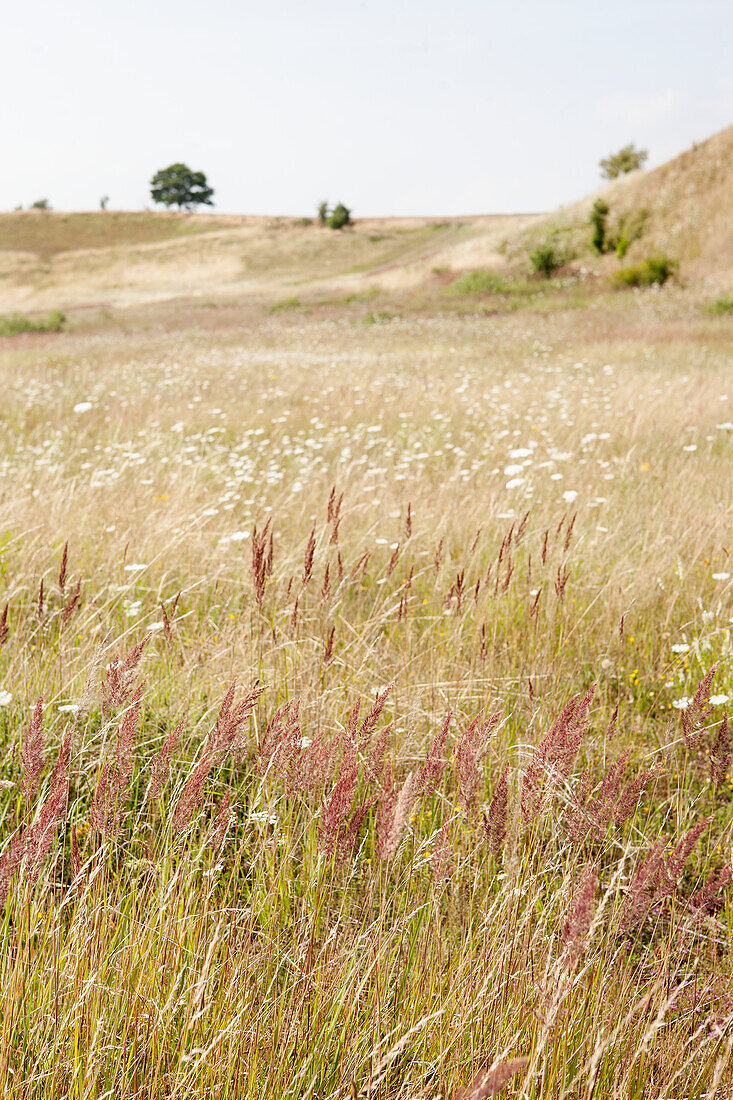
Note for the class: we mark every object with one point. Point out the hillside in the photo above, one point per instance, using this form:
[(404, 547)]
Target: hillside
[(59, 260), (688, 206), (70, 260)]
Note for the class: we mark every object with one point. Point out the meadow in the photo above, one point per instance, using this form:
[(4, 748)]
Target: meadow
[(363, 686)]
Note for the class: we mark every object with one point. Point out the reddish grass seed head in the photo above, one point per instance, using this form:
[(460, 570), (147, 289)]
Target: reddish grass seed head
[(62, 567), (160, 765), (31, 754), (495, 818), (431, 772)]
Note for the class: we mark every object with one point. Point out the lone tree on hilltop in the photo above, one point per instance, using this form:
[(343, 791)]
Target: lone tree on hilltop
[(340, 216), (626, 160), (179, 186)]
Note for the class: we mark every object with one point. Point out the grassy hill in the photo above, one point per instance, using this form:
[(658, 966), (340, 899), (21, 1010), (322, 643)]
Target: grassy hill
[(57, 260), (686, 206)]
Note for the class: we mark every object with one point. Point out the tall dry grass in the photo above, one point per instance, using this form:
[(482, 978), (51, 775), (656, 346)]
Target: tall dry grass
[(348, 750)]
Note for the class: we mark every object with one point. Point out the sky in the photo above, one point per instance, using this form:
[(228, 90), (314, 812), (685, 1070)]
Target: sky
[(394, 107)]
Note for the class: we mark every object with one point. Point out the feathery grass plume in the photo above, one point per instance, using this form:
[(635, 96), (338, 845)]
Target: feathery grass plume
[(710, 897), (390, 841), (326, 586), (230, 719), (432, 770), (393, 560), (720, 755), (333, 830), (31, 754), (579, 918), (71, 604), (223, 738), (674, 865), (495, 817), (369, 722), (569, 532), (105, 815), (294, 617), (275, 736), (441, 858), (160, 765), (168, 616), (438, 556), (521, 528), (334, 506), (328, 649), (191, 796), (472, 747), (557, 750), (221, 824), (10, 862), (593, 815), (39, 836), (642, 888), (408, 522), (261, 561), (628, 799), (310, 551), (4, 624), (374, 762), (62, 567), (563, 576), (39, 603), (693, 716), (457, 591), (118, 682), (492, 1081)]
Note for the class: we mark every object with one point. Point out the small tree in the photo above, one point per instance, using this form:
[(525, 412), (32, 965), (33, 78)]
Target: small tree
[(104, 202), (626, 160), (41, 204), (179, 186), (598, 217), (323, 212), (340, 216)]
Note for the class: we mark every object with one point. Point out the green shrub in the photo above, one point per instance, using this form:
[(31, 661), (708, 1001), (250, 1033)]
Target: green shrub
[(41, 204), (598, 217), (722, 306), (478, 282), (546, 259), (652, 270), (304, 222), (629, 231), (323, 212), (340, 216), (18, 322)]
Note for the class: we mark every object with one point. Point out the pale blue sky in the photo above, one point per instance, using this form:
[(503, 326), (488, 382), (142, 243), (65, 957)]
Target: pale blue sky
[(393, 106)]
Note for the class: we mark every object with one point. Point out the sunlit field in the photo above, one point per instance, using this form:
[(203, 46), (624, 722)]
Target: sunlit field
[(363, 684)]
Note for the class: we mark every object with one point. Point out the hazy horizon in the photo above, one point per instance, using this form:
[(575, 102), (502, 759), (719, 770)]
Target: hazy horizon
[(395, 110)]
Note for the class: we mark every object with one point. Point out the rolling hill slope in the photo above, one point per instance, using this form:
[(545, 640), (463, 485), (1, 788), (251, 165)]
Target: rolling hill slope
[(57, 260)]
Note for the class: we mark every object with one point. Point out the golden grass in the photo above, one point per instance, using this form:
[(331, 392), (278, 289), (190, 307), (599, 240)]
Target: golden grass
[(243, 956)]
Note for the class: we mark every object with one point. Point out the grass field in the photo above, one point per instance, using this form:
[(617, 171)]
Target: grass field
[(383, 639)]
